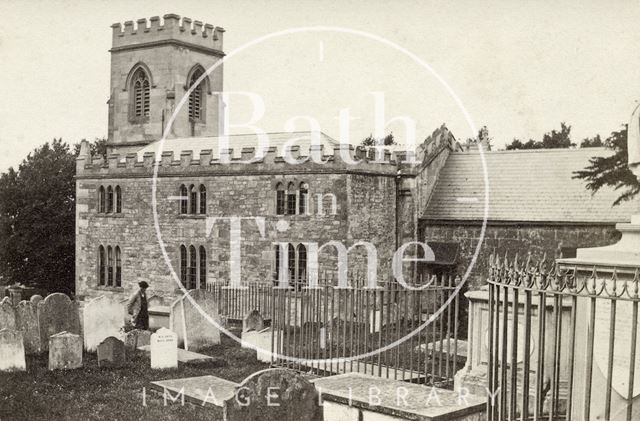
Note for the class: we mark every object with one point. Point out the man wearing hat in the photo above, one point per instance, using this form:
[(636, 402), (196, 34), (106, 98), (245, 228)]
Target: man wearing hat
[(138, 308)]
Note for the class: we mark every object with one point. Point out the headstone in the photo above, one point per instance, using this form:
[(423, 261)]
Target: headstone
[(102, 318), (11, 351), (57, 313), (164, 349), (27, 323), (65, 351), (7, 314), (135, 339), (253, 321), (274, 395), (155, 301), (35, 299), (261, 341), (111, 353), (190, 320)]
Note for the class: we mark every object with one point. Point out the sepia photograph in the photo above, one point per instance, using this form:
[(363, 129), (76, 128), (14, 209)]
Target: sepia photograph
[(385, 210)]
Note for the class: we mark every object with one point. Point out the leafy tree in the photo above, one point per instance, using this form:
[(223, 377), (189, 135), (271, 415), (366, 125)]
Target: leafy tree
[(592, 142), (371, 141), (551, 140), (97, 148), (530, 144), (37, 219), (612, 170)]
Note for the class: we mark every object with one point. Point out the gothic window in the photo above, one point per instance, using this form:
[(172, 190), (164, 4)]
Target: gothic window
[(101, 266), (109, 266), (304, 197), (183, 266), (109, 199), (196, 97), (203, 199), (292, 262), (118, 194), (302, 263), (191, 281), (118, 267), (193, 199), (276, 274), (280, 199), (140, 88), (296, 263), (184, 200), (101, 200), (291, 199), (202, 281)]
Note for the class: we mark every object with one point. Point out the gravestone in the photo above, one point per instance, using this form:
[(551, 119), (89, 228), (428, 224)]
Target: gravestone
[(57, 313), (164, 349), (253, 321), (27, 323), (35, 299), (65, 351), (188, 320), (102, 319), (261, 341), (7, 314), (134, 339), (11, 351), (111, 353), (274, 395)]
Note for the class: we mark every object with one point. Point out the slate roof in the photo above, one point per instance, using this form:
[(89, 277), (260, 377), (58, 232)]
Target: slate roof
[(239, 141), (533, 185)]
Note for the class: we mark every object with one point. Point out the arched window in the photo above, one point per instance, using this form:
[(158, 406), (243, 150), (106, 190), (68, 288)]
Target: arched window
[(101, 266), (191, 281), (118, 199), (101, 200), (291, 199), (291, 256), (118, 267), (109, 266), (109, 199), (193, 199), (203, 199), (202, 281), (183, 266), (140, 87), (196, 97), (304, 199), (276, 274), (280, 199), (302, 263), (184, 200)]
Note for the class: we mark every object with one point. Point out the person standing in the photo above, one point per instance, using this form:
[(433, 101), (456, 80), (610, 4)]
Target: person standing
[(138, 307)]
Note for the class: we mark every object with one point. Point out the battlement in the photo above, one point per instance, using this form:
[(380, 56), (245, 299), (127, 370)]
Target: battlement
[(172, 28)]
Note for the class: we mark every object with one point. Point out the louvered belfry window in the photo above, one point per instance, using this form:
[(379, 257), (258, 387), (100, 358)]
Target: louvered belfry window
[(140, 94), (195, 97)]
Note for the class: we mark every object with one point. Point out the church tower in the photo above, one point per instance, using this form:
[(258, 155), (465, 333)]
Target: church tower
[(153, 65)]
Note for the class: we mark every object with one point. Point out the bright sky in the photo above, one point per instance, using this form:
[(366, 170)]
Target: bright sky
[(518, 67)]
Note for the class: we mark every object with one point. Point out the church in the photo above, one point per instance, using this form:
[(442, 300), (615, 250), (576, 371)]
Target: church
[(160, 210)]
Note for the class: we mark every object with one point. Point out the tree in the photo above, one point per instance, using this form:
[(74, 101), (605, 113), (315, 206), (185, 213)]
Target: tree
[(371, 141), (37, 219), (612, 170), (592, 142), (517, 144), (551, 140)]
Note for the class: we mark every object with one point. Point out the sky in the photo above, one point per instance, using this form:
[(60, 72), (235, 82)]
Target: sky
[(520, 68)]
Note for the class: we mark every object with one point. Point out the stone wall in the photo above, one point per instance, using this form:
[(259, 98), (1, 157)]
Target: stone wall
[(537, 239)]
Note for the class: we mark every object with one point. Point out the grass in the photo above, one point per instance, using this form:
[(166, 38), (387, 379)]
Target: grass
[(93, 393)]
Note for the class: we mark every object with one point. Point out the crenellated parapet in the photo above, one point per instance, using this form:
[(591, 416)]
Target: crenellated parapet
[(172, 28)]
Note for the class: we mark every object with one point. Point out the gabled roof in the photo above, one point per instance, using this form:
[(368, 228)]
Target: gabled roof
[(239, 141), (524, 186)]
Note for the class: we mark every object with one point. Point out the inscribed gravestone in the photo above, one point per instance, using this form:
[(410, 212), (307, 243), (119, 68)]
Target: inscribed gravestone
[(57, 313), (253, 321), (11, 351), (27, 323), (274, 395), (7, 314), (164, 349), (111, 353), (65, 351), (102, 318), (188, 320), (135, 339)]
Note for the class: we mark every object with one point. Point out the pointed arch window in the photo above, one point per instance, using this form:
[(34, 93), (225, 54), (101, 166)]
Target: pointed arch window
[(109, 266), (191, 279), (202, 280), (109, 199), (183, 265), (184, 200), (203, 199), (118, 267), (196, 97), (140, 91), (101, 200), (303, 204), (118, 198), (291, 199), (101, 266), (291, 256), (302, 263), (193, 198), (281, 199)]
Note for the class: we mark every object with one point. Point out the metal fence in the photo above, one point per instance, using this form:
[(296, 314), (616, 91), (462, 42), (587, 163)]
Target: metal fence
[(562, 344), (236, 303), (391, 331)]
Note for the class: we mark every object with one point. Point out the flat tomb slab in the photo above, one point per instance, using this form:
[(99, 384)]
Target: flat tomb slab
[(204, 390), (399, 399), (184, 356), (364, 368)]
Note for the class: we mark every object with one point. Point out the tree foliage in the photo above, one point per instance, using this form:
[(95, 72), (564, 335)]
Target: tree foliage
[(551, 140), (371, 141), (592, 142), (613, 170)]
